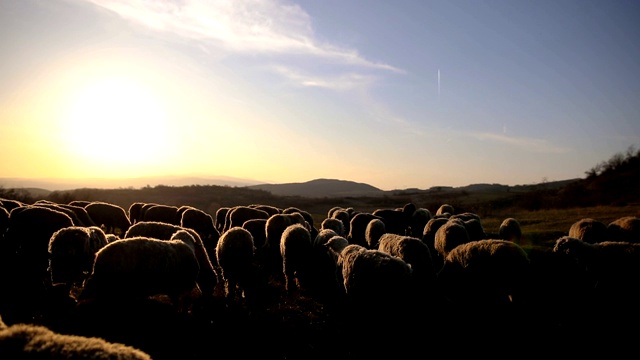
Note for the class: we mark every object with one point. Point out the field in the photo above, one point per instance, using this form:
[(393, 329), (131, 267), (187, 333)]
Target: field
[(543, 227)]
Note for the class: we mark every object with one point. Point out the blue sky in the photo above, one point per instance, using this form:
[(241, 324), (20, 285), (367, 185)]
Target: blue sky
[(403, 94)]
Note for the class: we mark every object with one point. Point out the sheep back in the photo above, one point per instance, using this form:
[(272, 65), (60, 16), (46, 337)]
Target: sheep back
[(140, 267)]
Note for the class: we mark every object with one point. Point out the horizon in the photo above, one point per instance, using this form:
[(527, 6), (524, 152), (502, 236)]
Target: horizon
[(178, 181), (396, 95)]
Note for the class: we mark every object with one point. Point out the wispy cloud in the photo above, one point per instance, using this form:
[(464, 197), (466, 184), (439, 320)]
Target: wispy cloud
[(528, 144), (244, 26), (340, 82)]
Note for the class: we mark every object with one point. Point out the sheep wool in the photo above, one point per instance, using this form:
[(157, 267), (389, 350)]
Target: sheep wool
[(71, 253), (295, 249), (588, 230), (510, 230), (235, 251), (371, 278), (375, 229), (208, 276), (26, 341), (626, 228), (489, 272), (333, 224), (140, 267), (449, 235)]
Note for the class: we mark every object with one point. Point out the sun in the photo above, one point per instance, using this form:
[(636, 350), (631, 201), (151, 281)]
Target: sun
[(117, 122)]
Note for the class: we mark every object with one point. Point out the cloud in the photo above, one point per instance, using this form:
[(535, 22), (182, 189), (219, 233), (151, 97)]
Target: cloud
[(340, 82), (528, 144), (241, 26)]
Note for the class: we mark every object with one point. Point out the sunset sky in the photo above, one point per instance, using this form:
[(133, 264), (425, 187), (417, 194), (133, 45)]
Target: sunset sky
[(396, 94)]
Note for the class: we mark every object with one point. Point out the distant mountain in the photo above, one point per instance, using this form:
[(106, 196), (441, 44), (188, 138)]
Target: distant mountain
[(318, 188), (321, 188), (70, 184)]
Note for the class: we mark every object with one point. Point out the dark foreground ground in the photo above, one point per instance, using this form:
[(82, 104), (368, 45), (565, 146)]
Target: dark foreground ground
[(551, 321)]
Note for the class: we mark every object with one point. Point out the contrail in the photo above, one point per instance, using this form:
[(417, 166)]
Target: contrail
[(438, 84)]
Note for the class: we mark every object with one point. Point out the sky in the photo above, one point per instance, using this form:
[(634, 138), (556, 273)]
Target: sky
[(396, 94)]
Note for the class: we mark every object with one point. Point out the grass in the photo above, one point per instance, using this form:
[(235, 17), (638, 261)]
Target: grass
[(543, 227)]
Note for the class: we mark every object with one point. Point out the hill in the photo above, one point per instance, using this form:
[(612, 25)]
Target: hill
[(321, 188)]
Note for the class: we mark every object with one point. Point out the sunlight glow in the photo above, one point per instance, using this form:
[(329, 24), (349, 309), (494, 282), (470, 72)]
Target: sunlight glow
[(117, 122)]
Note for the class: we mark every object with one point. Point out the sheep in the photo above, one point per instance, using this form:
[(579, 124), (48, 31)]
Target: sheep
[(430, 229), (307, 217), (323, 237), (235, 252), (429, 238), (486, 284), (220, 217), (510, 230), (239, 214), (270, 256), (419, 220), (305, 214), (396, 220), (208, 276), (375, 229), (445, 210), (257, 228), (344, 216), (588, 230), (376, 285), (81, 213), (51, 205), (472, 223), (331, 212), (275, 226), (10, 204), (358, 227), (451, 234), (609, 263), (378, 300), (333, 224), (202, 223), (22, 341), (142, 267), (295, 250), (25, 257), (370, 276), (183, 208), (162, 213), (271, 210), (71, 254), (414, 252), (323, 284), (112, 218), (78, 214), (626, 228), (80, 203), (465, 216), (475, 230), (610, 277), (489, 272), (135, 212)]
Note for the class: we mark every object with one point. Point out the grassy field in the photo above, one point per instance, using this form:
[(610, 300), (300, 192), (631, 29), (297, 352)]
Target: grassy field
[(543, 227)]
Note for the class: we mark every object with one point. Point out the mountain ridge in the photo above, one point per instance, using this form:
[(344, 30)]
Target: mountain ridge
[(316, 188)]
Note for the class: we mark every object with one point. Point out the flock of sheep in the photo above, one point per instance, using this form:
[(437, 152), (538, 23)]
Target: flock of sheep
[(92, 279)]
